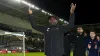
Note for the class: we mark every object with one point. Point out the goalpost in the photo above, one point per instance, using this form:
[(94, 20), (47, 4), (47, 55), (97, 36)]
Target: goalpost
[(12, 43)]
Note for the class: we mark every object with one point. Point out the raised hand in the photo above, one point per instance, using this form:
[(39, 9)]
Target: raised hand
[(73, 7), (30, 11), (89, 46)]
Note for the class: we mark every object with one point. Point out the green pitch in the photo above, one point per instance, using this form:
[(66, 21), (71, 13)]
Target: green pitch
[(27, 54)]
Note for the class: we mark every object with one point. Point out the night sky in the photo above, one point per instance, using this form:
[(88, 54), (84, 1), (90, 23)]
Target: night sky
[(87, 11)]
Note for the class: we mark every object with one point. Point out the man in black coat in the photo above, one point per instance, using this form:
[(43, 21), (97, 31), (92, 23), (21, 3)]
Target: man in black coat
[(79, 42), (54, 33), (68, 42)]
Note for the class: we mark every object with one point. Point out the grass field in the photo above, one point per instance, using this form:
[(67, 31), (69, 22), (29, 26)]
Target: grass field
[(27, 54)]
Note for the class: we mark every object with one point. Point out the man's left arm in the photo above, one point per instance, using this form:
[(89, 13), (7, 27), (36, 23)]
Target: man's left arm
[(71, 20)]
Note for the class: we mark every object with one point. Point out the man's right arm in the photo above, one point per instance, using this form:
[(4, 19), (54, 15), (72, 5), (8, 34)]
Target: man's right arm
[(31, 19)]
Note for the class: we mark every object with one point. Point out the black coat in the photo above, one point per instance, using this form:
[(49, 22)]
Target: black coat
[(79, 49), (53, 35), (68, 40)]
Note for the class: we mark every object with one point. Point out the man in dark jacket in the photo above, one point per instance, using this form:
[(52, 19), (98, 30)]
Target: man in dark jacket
[(68, 42), (79, 49), (92, 44), (54, 33)]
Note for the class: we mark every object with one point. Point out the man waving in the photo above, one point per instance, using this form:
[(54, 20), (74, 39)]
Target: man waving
[(54, 33)]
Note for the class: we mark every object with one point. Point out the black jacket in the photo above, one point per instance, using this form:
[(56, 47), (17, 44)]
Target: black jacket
[(79, 45), (68, 43), (53, 35)]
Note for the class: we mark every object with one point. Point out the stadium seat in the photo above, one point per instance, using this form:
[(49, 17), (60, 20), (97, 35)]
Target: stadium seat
[(0, 51), (4, 51), (14, 51)]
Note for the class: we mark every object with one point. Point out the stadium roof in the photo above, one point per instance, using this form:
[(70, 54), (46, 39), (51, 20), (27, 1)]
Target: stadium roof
[(19, 10)]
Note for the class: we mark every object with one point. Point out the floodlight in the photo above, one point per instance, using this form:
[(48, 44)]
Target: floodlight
[(18, 0), (44, 11), (48, 13), (38, 39), (17, 34), (32, 6), (51, 15), (43, 39), (8, 33), (36, 8), (66, 22), (25, 2), (61, 19)]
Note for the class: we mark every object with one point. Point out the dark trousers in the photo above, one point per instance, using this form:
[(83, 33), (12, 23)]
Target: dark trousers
[(79, 52), (67, 49), (67, 53)]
